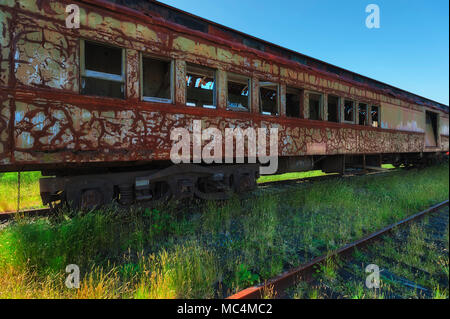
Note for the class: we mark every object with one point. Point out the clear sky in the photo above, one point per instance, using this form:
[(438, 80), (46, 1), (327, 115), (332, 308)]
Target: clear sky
[(410, 50)]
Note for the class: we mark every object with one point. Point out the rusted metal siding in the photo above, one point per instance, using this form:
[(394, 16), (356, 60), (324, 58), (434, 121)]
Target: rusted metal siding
[(443, 130), (5, 136), (63, 131), (402, 119), (41, 54), (132, 75), (45, 120), (444, 142), (443, 124)]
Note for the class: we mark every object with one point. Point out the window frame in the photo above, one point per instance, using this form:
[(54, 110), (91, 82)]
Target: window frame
[(216, 85), (250, 82), (379, 116), (278, 98), (301, 94), (354, 112), (368, 109), (339, 107), (436, 133), (86, 73), (321, 105), (154, 99)]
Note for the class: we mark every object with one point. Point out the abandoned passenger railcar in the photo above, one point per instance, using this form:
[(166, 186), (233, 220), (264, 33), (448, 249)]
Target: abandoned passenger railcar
[(94, 106)]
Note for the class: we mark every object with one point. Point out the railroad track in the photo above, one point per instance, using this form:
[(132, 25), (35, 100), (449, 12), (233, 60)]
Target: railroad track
[(278, 285), (28, 212), (280, 187), (348, 174)]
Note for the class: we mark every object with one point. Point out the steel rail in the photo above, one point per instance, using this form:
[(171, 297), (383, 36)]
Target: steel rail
[(305, 271), (329, 177)]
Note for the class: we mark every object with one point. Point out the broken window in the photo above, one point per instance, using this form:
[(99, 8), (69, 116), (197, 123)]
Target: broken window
[(375, 115), (238, 92), (315, 100), (200, 86), (102, 70), (293, 98), (431, 130), (333, 108), (349, 111), (156, 80), (362, 114), (268, 98)]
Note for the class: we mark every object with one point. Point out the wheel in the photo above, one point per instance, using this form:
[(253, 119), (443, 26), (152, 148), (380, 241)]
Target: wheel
[(208, 189), (244, 182), (88, 194)]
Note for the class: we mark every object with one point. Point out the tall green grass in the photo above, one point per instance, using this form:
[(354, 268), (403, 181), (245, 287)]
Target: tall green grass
[(289, 176), (208, 250), (29, 191)]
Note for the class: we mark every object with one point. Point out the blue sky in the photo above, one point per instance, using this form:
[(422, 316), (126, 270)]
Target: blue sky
[(410, 50)]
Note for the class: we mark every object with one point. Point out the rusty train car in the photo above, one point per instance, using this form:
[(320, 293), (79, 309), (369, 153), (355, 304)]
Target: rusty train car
[(92, 106)]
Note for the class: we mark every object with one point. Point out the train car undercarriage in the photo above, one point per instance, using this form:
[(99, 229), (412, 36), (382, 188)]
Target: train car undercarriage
[(212, 182), (149, 186)]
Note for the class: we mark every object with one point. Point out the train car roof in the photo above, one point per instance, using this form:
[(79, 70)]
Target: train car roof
[(200, 24)]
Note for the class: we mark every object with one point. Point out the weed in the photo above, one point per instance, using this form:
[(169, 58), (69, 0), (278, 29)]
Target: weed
[(328, 269), (245, 277), (439, 293), (268, 292)]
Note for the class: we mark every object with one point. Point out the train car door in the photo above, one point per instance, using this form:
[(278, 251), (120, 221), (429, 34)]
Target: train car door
[(431, 129)]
